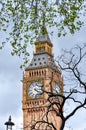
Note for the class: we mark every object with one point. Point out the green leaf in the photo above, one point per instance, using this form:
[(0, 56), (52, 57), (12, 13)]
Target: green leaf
[(1, 47), (26, 36), (21, 24), (5, 30), (59, 34)]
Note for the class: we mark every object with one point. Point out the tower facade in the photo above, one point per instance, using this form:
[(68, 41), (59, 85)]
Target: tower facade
[(41, 75)]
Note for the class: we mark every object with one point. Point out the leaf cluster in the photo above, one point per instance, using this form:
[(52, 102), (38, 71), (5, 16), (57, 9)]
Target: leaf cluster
[(22, 20)]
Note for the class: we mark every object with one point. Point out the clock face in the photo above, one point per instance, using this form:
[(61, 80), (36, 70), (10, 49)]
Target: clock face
[(35, 90), (57, 91), (56, 88)]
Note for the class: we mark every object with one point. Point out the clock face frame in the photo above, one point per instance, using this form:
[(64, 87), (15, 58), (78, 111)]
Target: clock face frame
[(35, 90)]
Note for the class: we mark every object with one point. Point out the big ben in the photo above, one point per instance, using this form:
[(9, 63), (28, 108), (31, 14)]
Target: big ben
[(42, 75)]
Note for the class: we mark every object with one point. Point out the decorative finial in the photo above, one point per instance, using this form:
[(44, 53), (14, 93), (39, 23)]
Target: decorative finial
[(10, 118), (43, 29), (43, 18)]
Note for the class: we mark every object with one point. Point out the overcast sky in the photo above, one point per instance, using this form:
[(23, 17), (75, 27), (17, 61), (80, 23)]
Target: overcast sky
[(11, 86)]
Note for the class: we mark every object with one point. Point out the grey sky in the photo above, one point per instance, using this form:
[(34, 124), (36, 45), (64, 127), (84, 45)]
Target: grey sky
[(11, 86)]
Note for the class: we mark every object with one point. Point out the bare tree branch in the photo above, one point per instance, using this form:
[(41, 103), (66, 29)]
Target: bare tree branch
[(69, 63)]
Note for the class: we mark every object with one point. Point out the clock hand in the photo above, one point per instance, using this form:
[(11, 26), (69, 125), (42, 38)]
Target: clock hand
[(36, 89)]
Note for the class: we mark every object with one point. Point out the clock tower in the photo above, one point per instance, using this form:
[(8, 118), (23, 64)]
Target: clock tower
[(42, 74)]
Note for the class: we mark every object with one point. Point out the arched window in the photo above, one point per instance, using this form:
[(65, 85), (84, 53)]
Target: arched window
[(37, 73), (30, 74)]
